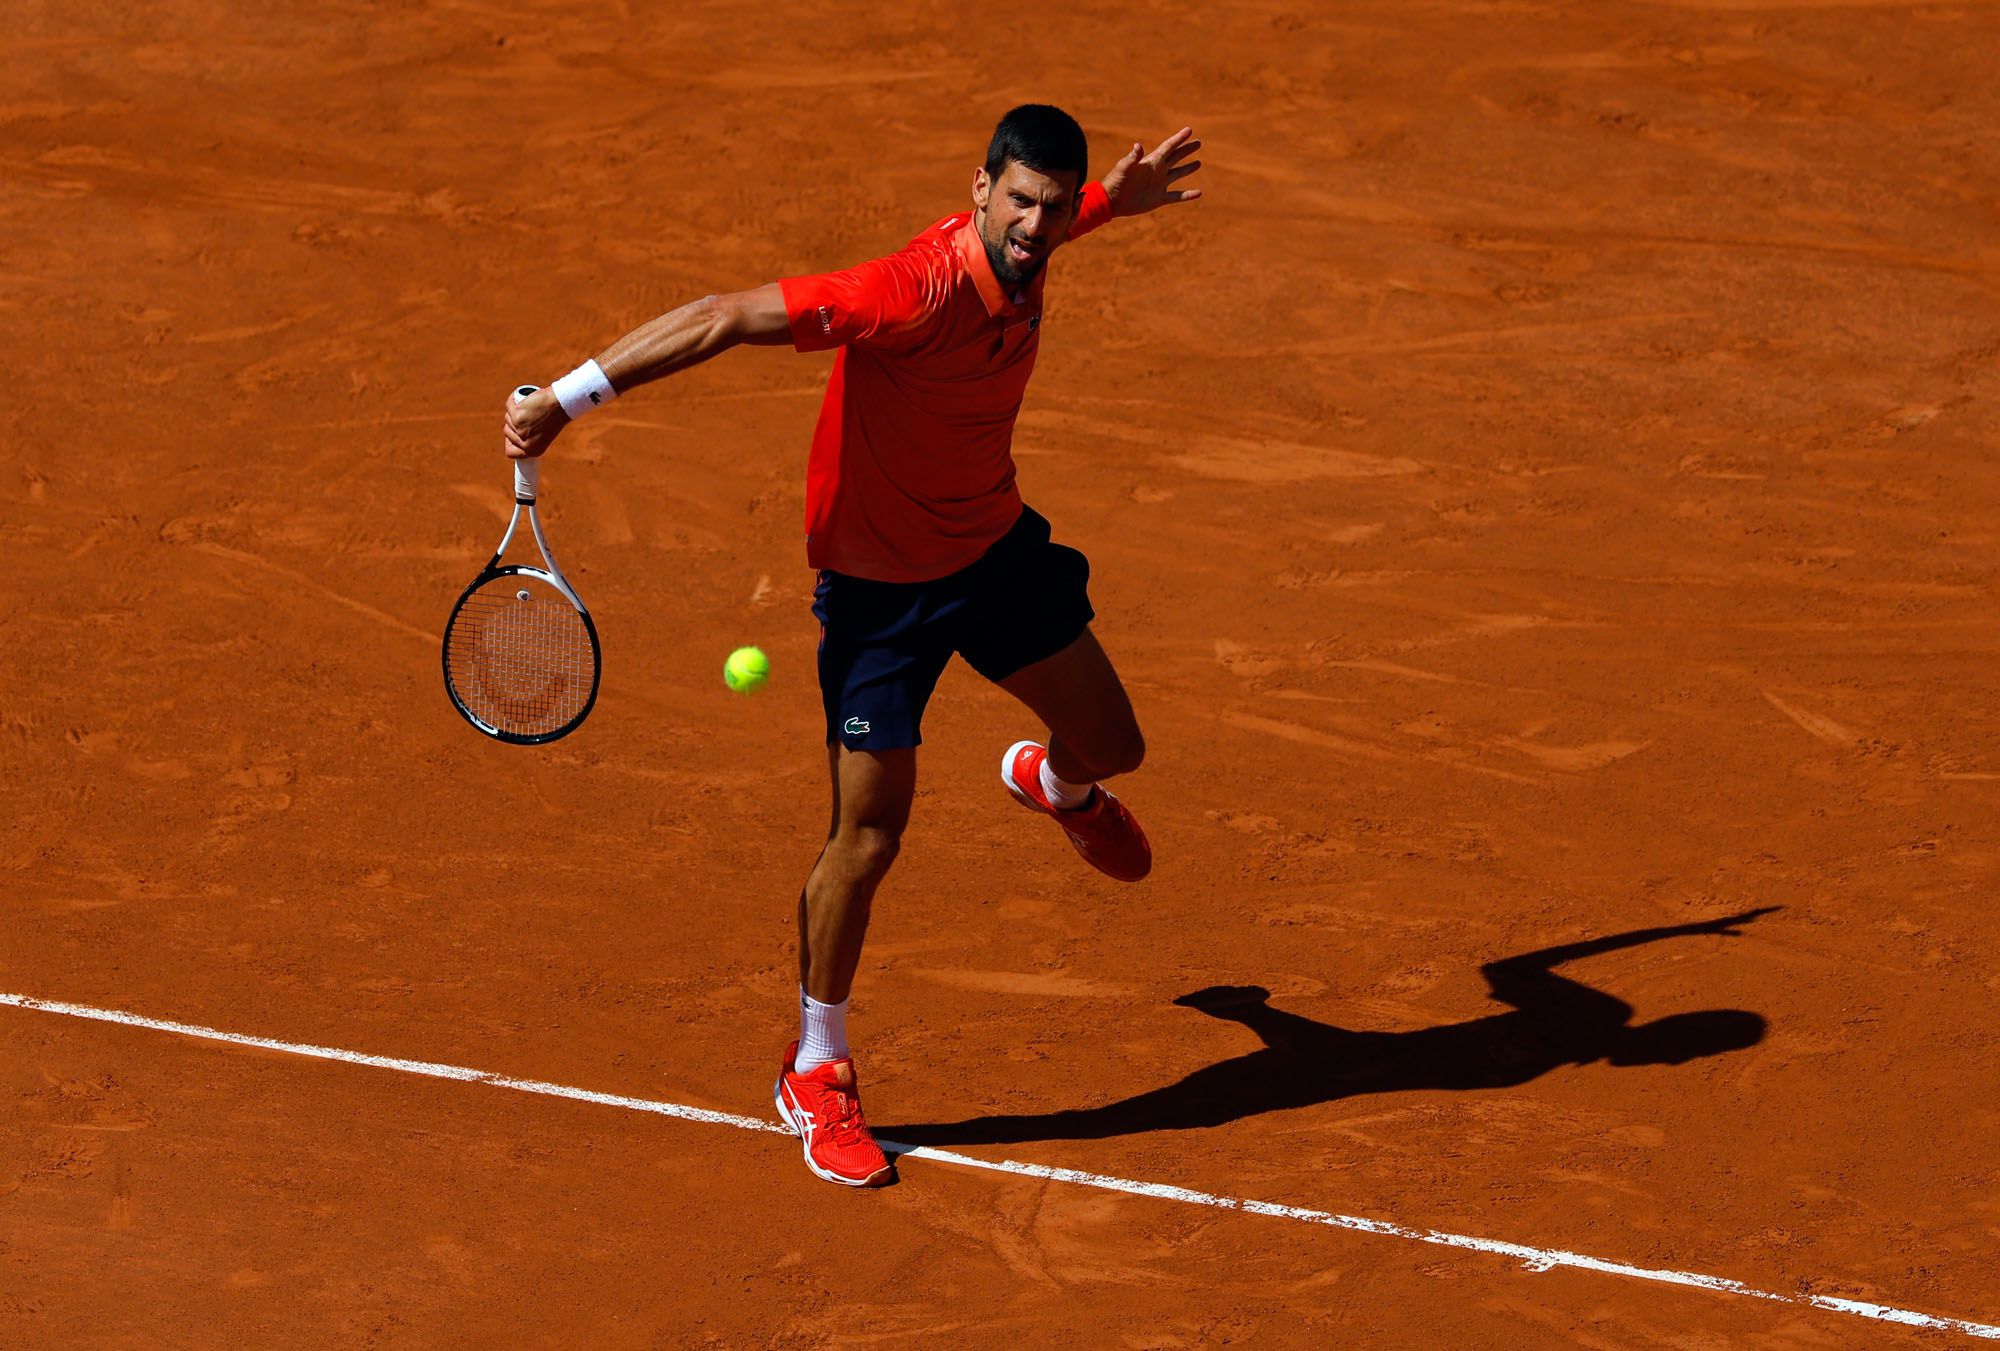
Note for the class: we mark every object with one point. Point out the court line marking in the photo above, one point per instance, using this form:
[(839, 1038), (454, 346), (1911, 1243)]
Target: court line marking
[(1531, 1258)]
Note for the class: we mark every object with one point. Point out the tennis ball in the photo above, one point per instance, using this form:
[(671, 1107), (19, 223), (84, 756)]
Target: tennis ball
[(746, 669)]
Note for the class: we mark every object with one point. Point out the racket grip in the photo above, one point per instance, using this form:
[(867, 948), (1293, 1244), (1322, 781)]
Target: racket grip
[(527, 473)]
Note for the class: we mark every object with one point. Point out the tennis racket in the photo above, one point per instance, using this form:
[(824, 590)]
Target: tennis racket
[(521, 660)]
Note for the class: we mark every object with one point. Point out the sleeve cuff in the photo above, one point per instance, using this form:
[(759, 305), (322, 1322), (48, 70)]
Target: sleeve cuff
[(811, 330), (1092, 209)]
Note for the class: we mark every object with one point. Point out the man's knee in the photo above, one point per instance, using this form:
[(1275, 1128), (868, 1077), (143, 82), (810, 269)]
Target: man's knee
[(1123, 754), (1135, 751), (868, 850), (1109, 753)]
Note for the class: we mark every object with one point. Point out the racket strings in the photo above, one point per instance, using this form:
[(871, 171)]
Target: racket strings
[(520, 657)]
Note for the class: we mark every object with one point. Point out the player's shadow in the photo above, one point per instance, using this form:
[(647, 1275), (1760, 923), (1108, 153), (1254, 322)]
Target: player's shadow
[(1555, 1021)]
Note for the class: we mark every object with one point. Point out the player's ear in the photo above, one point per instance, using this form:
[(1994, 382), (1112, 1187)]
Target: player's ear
[(982, 187)]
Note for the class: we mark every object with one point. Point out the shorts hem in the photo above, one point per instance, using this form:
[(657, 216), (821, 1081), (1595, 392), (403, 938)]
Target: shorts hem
[(867, 743), (1015, 664)]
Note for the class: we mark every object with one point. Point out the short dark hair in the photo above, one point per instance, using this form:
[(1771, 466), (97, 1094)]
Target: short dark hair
[(1041, 137)]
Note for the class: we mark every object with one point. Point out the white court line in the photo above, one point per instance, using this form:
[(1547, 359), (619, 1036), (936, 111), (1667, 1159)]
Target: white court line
[(1534, 1259)]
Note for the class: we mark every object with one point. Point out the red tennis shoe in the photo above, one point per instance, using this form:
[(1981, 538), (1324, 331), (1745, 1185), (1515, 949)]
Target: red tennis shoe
[(824, 1107), (1102, 830)]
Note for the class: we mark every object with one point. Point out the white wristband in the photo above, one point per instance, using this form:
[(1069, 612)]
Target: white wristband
[(583, 389)]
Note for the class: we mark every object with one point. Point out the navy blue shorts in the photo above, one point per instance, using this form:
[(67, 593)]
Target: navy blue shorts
[(883, 645)]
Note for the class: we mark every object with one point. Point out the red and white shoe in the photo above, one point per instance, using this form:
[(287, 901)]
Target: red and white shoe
[(824, 1107), (1102, 830)]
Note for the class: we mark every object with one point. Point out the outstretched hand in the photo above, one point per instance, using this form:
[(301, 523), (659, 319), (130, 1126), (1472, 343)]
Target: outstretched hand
[(1727, 924), (1140, 182), (1217, 997), (532, 423)]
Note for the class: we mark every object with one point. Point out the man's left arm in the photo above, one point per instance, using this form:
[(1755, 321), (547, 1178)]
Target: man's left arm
[(1139, 183)]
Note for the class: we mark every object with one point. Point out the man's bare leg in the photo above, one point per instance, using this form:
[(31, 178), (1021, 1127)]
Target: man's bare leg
[(872, 792), (817, 1092), (1093, 734)]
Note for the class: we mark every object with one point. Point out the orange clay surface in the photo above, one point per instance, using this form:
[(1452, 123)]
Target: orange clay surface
[(1546, 491)]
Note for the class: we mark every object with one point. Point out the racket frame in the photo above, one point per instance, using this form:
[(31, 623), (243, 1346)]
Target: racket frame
[(527, 482)]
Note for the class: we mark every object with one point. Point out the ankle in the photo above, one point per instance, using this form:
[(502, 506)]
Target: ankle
[(822, 1033), (1063, 795)]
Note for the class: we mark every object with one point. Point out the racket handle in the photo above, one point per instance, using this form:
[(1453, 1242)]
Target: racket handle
[(527, 473)]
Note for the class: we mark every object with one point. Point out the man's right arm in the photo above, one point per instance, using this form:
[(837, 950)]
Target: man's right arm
[(673, 342)]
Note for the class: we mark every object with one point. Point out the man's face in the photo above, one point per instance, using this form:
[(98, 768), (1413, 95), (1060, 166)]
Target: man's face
[(1022, 216)]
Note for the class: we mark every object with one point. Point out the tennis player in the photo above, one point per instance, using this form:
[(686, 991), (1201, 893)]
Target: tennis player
[(923, 545)]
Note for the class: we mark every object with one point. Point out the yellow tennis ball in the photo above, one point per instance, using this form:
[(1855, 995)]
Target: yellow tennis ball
[(746, 669)]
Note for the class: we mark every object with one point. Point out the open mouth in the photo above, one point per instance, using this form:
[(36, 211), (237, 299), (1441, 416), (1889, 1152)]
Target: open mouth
[(1020, 252)]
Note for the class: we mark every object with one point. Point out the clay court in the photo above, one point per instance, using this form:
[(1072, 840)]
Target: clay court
[(1545, 494)]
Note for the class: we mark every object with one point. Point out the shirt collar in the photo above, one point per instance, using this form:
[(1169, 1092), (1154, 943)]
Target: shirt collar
[(972, 249)]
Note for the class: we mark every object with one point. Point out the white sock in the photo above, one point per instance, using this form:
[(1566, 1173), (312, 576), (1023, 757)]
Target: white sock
[(822, 1034), (1063, 796)]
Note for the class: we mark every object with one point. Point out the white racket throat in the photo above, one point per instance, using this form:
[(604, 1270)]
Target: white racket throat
[(550, 569), (527, 486)]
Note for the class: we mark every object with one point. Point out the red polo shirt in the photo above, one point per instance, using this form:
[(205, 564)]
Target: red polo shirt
[(911, 475)]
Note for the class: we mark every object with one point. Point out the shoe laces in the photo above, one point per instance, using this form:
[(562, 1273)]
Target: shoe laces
[(843, 1114)]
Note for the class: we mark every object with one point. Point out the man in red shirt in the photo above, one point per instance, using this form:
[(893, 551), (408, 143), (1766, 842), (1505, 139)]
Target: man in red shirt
[(923, 545)]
